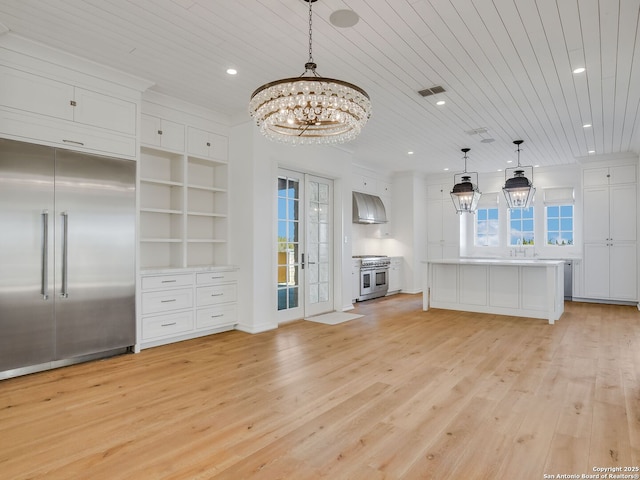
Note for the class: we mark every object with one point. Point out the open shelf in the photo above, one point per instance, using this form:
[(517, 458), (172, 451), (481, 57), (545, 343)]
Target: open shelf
[(183, 209)]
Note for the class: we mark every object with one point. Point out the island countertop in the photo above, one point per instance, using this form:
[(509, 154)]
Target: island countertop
[(524, 287), (497, 261)]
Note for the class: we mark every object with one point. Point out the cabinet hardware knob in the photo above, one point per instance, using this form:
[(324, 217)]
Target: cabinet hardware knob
[(159, 132), (208, 144), (72, 103)]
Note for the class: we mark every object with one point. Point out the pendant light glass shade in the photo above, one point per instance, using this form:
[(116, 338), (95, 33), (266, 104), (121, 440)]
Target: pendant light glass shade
[(310, 109), (465, 193), (518, 190)]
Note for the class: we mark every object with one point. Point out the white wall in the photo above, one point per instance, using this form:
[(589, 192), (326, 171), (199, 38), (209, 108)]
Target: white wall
[(254, 165)]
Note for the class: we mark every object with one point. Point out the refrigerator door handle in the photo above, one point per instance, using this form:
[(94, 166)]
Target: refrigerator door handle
[(65, 230), (44, 287)]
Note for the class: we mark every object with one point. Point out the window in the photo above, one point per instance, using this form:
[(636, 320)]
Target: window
[(521, 226), (487, 228), (288, 242), (559, 225)]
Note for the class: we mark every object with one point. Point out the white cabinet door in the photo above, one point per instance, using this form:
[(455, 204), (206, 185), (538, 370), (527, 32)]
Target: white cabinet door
[(434, 222), (206, 144), (104, 111), (163, 133), (395, 275), (622, 213), (623, 279), (355, 280), (596, 206), (33, 93), (596, 270)]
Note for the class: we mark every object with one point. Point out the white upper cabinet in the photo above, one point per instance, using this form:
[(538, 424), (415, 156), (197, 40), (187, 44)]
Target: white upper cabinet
[(163, 133), (41, 109), (104, 111), (33, 93), (609, 175), (201, 143)]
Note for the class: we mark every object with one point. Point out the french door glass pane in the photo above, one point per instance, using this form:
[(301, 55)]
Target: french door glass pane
[(288, 243), (318, 242)]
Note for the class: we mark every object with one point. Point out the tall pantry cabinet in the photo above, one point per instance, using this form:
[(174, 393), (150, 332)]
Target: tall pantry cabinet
[(443, 224), (187, 288), (610, 233)]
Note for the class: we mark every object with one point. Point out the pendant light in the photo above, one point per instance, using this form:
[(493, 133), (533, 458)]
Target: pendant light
[(465, 193), (310, 109), (518, 190)]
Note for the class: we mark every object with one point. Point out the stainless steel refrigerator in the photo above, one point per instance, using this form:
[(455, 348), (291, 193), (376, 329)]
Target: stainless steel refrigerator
[(67, 257)]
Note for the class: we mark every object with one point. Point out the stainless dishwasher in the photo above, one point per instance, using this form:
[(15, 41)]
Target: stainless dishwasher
[(568, 280)]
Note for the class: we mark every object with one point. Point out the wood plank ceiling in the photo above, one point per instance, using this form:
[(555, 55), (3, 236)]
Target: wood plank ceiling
[(506, 67)]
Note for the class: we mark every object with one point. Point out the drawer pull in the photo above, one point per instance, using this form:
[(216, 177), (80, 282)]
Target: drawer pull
[(73, 142), (217, 278), (168, 301), (217, 316), (169, 324), (217, 294), (168, 281)]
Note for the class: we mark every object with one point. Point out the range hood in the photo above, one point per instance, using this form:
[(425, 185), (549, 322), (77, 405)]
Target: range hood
[(368, 209)]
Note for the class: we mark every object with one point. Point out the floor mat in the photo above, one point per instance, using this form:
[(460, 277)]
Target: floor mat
[(334, 318)]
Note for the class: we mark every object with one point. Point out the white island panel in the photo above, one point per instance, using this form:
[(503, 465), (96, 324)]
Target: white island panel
[(473, 281), (447, 279), (526, 288), (506, 287)]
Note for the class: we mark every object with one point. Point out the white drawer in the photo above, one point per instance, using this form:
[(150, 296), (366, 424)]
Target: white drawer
[(166, 281), (219, 316), (164, 325), (216, 294), (167, 300), (216, 277)]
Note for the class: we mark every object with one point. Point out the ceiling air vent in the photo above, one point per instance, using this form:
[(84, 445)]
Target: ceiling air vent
[(476, 131), (431, 91)]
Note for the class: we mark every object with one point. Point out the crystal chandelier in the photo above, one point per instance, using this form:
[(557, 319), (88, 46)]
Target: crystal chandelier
[(310, 109), (518, 190), (465, 194)]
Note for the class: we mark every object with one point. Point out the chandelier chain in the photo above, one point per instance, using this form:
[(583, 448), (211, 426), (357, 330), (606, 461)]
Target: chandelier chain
[(310, 32)]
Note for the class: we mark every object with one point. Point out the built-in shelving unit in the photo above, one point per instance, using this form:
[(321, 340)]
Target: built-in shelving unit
[(187, 288), (183, 209)]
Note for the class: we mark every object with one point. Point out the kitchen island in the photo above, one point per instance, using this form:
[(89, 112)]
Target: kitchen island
[(518, 287)]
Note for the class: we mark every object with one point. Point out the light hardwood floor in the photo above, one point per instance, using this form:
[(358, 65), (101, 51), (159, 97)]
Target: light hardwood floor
[(397, 394)]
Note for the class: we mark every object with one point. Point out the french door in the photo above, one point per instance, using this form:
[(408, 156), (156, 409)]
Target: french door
[(305, 245)]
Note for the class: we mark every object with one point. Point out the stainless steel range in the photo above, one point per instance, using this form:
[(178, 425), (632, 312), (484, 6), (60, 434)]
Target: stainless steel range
[(374, 276)]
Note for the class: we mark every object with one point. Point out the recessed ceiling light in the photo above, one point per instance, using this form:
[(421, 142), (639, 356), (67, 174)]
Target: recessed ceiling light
[(579, 70), (232, 71), (409, 153), (446, 169), (509, 161), (440, 102), (592, 151), (586, 125), (499, 169)]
